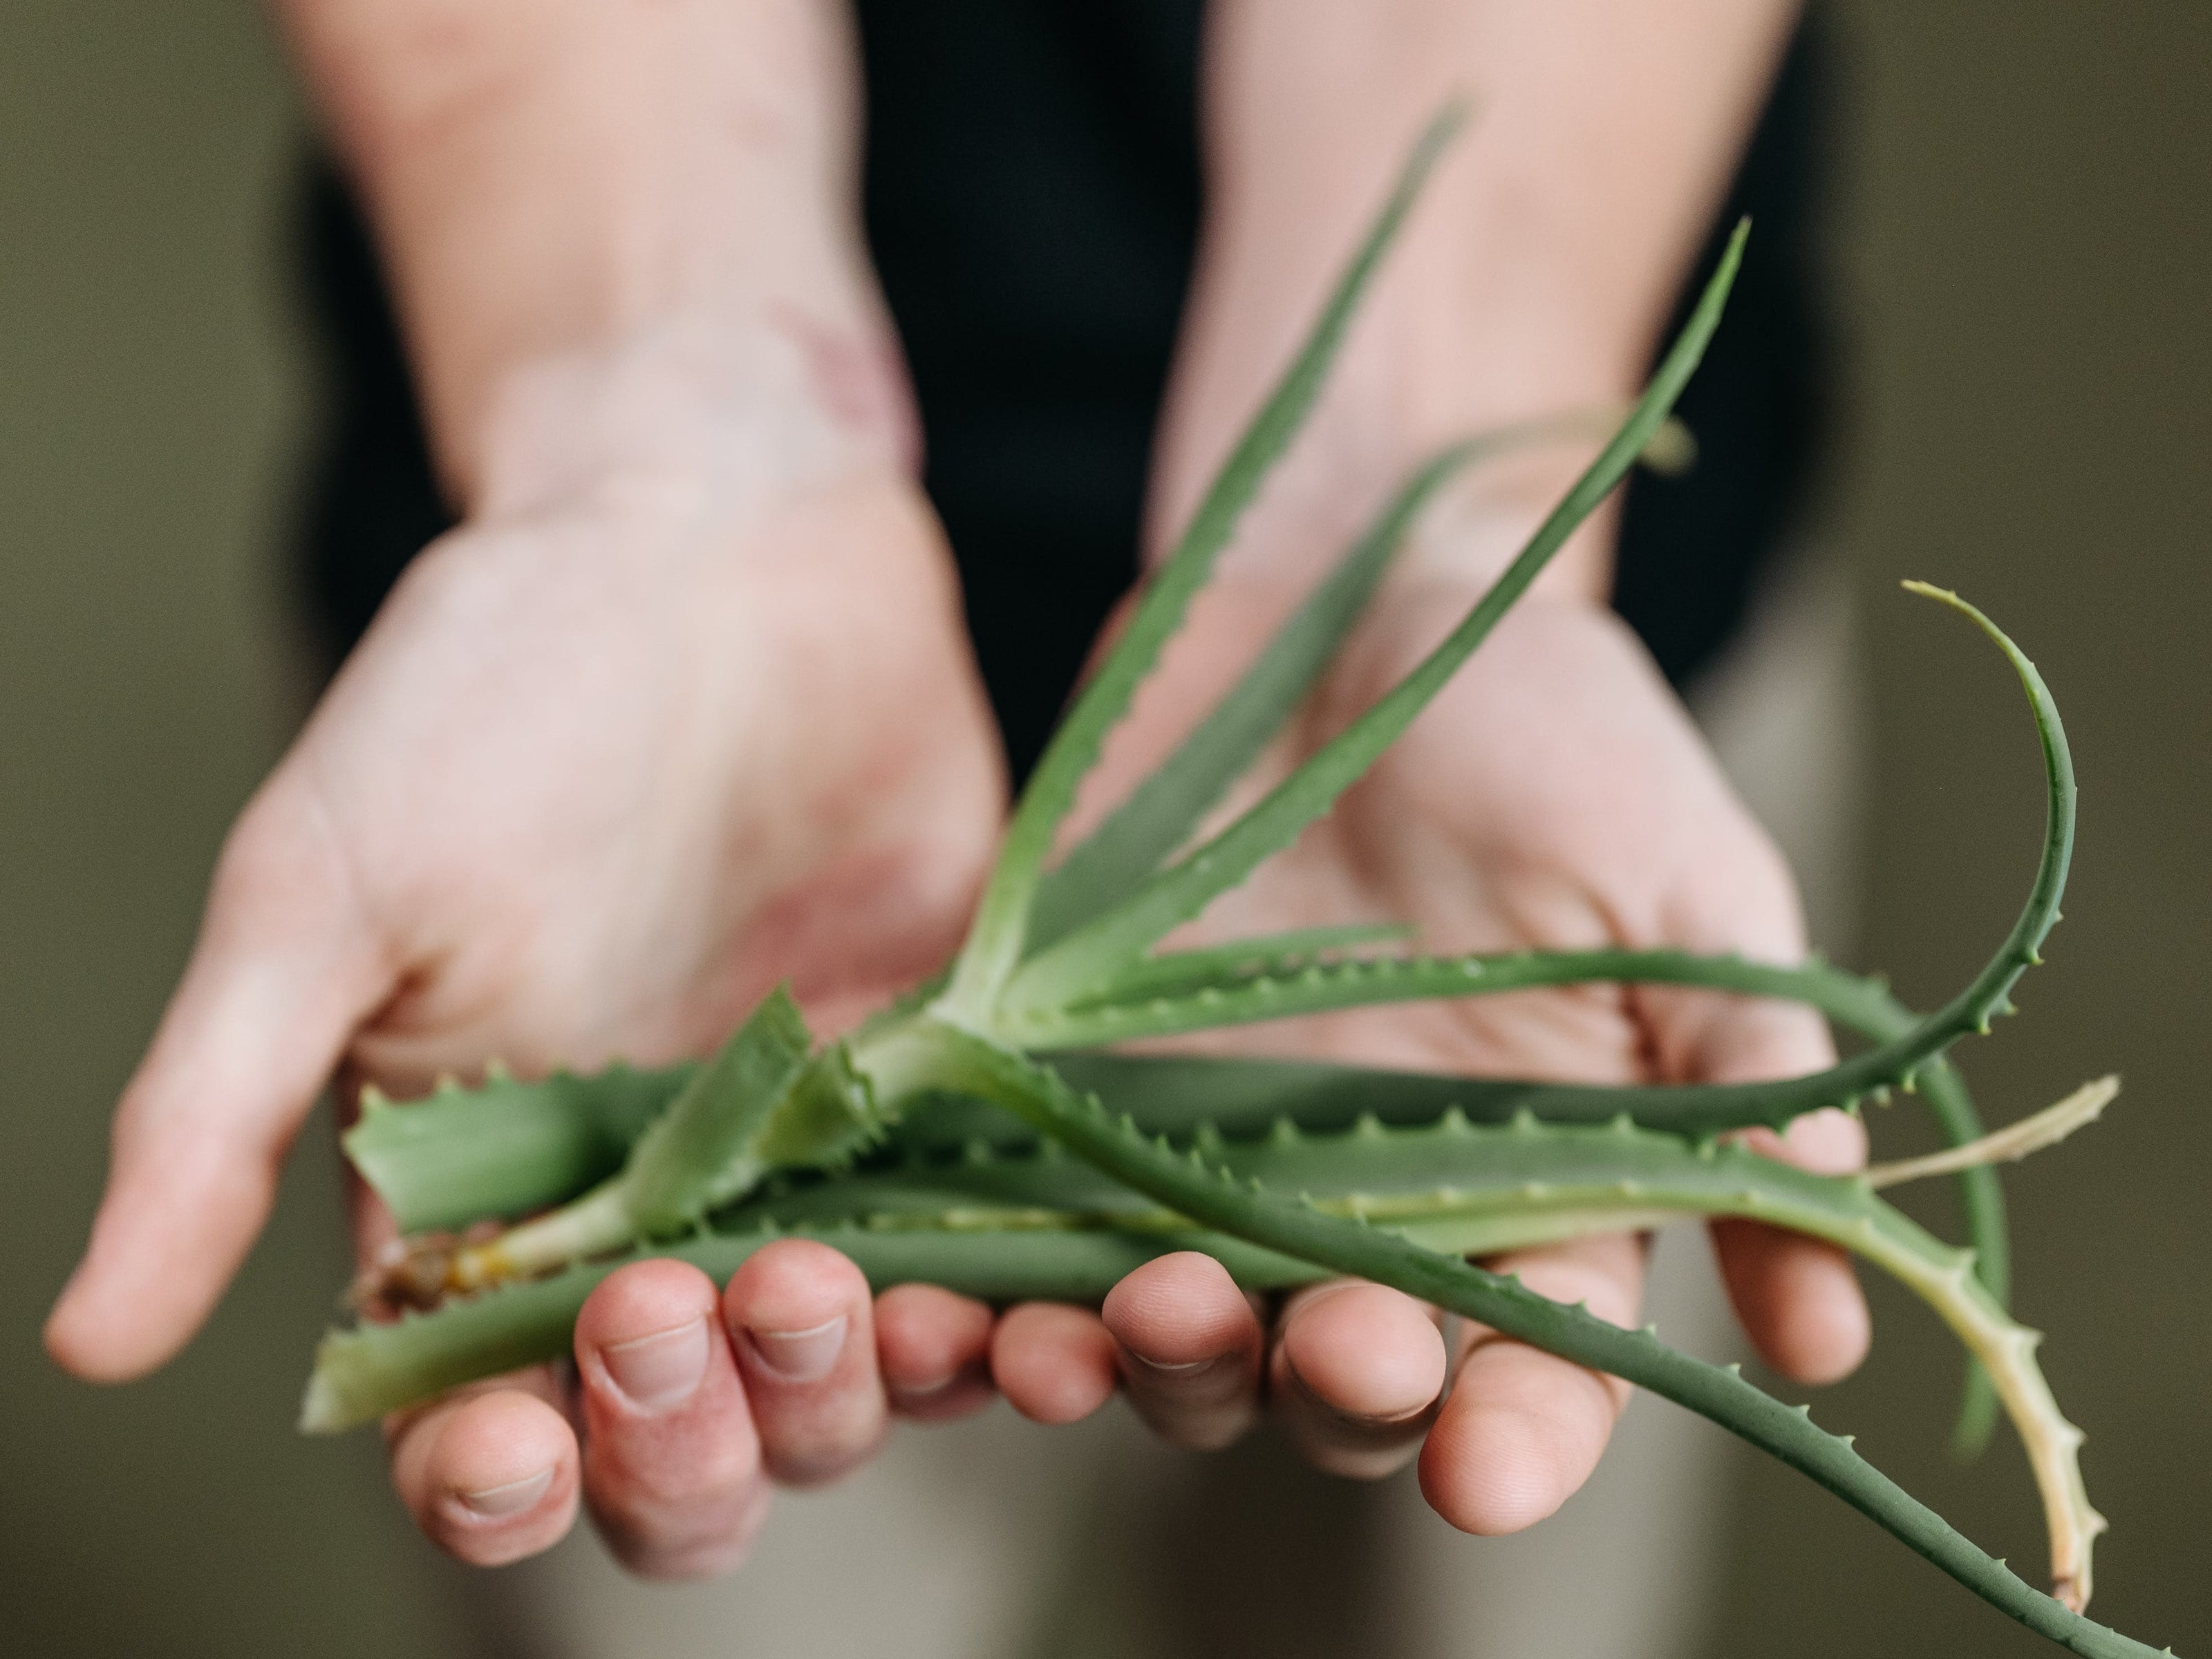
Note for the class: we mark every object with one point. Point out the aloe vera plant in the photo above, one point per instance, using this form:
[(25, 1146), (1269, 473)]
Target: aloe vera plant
[(983, 1135)]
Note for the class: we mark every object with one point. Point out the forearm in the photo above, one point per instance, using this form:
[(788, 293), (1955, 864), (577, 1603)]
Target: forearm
[(559, 181), (1532, 278)]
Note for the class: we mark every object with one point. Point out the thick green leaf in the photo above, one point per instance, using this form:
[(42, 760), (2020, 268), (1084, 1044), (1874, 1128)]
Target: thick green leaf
[(706, 1148), (503, 1147)]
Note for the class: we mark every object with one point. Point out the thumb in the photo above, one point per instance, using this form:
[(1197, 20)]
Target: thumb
[(285, 966)]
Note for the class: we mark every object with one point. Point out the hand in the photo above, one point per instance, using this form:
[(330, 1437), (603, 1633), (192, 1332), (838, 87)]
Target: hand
[(1555, 795), (676, 715)]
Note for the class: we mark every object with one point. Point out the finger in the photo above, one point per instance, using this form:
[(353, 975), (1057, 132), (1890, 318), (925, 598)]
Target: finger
[(1522, 1429), (934, 1350), (1799, 1298), (490, 1477), (1053, 1364), (1186, 1344), (1356, 1374), (671, 1461), (800, 1318), (284, 968)]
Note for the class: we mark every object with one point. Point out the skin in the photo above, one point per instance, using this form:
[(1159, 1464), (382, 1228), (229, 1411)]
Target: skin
[(641, 737)]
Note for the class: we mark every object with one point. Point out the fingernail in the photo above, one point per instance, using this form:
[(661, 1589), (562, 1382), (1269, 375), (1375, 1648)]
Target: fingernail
[(1373, 1419), (510, 1497), (800, 1356), (921, 1394), (660, 1371), (1173, 1368)]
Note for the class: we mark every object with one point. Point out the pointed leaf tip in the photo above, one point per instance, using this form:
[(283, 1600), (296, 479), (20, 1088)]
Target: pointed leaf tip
[(998, 933), (1076, 963)]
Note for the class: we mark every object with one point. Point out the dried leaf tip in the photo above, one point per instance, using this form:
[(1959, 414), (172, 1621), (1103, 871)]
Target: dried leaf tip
[(2017, 1141)]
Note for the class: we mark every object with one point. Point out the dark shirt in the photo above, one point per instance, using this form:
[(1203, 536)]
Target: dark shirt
[(1032, 199)]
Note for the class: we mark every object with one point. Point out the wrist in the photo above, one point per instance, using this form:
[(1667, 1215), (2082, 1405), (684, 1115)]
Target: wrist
[(551, 180), (1480, 522), (1530, 281), (701, 412), (1335, 485)]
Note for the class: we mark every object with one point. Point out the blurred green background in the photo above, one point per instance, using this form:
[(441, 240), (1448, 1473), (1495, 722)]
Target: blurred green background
[(2023, 251)]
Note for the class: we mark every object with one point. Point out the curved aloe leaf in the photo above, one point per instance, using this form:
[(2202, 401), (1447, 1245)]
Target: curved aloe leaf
[(1191, 1186)]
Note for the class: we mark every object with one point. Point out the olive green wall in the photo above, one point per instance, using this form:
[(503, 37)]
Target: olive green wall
[(2025, 249), (2025, 243), (150, 392)]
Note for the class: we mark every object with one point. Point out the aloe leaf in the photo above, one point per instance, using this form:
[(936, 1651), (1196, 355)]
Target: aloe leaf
[(1449, 1166), (1900, 1057), (1164, 809), (763, 1100), (1192, 1188), (1001, 925), (1173, 1094), (362, 1373), (704, 1149), (503, 1147), (1167, 996), (539, 1128), (1186, 972), (1981, 1199), (1088, 957), (1689, 1109), (1033, 1222), (1446, 1180)]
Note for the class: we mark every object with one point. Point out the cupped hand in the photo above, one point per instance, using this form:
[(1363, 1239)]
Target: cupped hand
[(612, 764), (1555, 795), (615, 757)]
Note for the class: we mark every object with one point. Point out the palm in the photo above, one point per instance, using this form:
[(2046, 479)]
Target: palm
[(1554, 796), (600, 774), (600, 782)]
